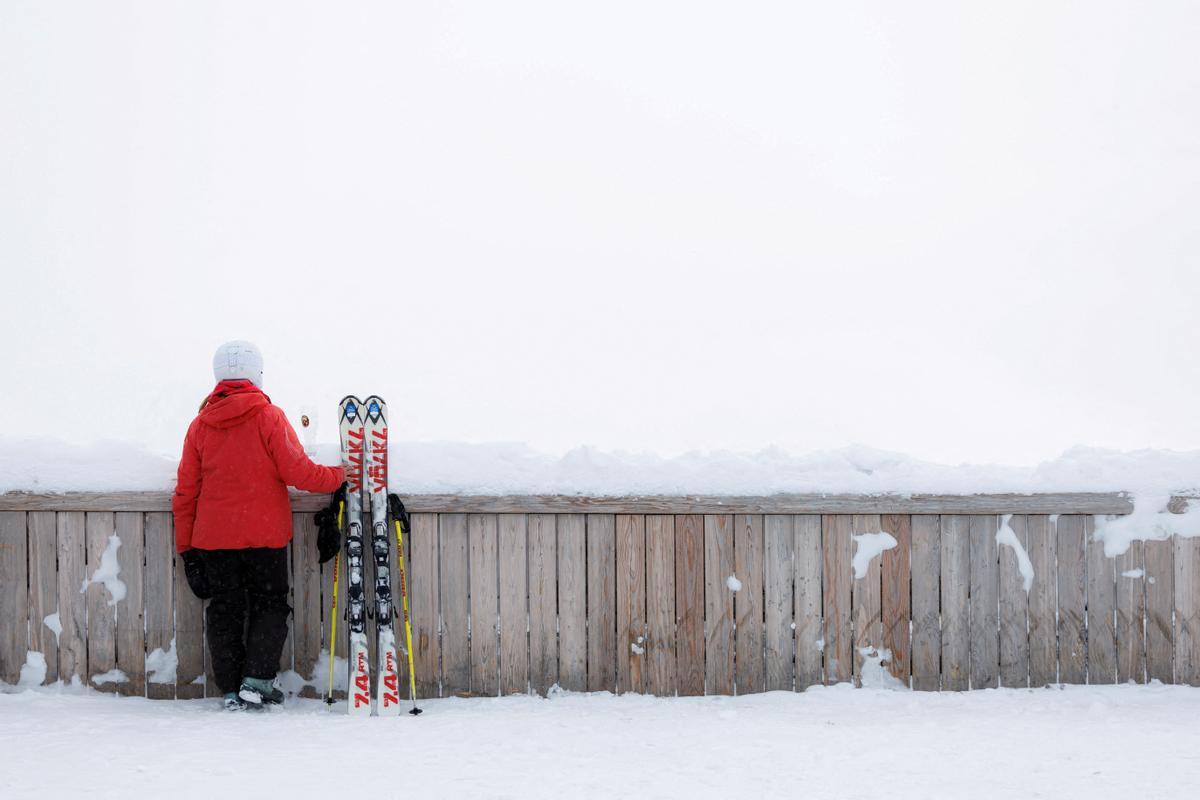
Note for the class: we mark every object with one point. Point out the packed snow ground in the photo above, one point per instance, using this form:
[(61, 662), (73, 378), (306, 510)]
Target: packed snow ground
[(1093, 742)]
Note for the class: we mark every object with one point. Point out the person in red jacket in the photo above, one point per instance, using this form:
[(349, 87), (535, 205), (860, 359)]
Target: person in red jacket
[(233, 522)]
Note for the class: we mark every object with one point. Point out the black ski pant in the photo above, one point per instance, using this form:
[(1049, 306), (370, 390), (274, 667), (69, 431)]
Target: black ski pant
[(247, 615)]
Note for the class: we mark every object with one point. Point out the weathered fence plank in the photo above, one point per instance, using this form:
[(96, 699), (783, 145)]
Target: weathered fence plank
[(838, 577), (485, 604), (659, 674), (1160, 610), (866, 601), (955, 600), (1014, 610), (572, 602), (748, 669), (810, 625), (926, 602), (1131, 615), (1072, 599), (159, 600), (130, 611), (896, 596), (14, 595), (72, 608), (43, 588), (543, 602), (1187, 610), (984, 624), (287, 656), (631, 602), (339, 645), (101, 616), (779, 548), (602, 602), (689, 604), (1101, 610), (514, 608), (423, 584), (718, 604), (1042, 546), (306, 600), (190, 677), (454, 592)]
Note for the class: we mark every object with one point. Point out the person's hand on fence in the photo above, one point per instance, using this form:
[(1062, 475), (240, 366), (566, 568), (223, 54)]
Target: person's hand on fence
[(193, 570)]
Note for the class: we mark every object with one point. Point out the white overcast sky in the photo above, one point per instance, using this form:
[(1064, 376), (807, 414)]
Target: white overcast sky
[(964, 231)]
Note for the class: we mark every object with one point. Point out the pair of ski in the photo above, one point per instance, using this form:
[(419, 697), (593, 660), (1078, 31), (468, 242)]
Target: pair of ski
[(364, 435)]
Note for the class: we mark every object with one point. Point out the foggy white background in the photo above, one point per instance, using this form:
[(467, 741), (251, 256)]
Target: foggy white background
[(968, 232)]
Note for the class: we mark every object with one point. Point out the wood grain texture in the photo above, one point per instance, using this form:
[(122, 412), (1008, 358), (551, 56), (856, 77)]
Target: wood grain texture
[(866, 601), (984, 624), (1042, 546), (837, 547), (926, 602), (689, 604), (1131, 615), (72, 608), (306, 600), (1160, 610), (631, 602), (602, 602), (543, 602), (514, 604), (159, 600), (43, 587), (287, 655), (748, 668), (718, 604), (423, 589), (454, 593), (190, 677), (485, 604), (14, 594), (659, 674), (955, 602), (130, 612), (340, 645), (1187, 611), (896, 596), (808, 609), (1048, 503), (101, 617), (779, 556), (572, 602), (1014, 611), (1072, 600), (1101, 610)]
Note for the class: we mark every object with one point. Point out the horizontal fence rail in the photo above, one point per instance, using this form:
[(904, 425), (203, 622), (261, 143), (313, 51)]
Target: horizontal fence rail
[(657, 595)]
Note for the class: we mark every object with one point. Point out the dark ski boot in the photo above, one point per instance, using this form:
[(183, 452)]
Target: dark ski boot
[(233, 702), (259, 692)]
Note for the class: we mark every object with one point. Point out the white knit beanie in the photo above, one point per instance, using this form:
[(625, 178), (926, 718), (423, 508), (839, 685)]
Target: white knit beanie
[(238, 360)]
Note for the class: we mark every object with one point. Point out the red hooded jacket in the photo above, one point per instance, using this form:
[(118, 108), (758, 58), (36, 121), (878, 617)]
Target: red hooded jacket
[(239, 457)]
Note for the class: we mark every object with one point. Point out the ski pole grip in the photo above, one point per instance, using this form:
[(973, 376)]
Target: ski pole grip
[(398, 512)]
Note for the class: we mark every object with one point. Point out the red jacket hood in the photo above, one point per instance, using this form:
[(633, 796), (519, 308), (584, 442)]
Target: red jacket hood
[(232, 403)]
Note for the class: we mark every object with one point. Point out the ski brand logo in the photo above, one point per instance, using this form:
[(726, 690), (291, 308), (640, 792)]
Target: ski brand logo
[(391, 683), (351, 411), (362, 682)]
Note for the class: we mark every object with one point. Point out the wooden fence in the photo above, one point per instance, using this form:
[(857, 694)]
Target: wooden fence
[(658, 595)]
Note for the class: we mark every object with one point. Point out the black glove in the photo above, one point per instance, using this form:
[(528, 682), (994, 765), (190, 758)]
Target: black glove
[(398, 512), (193, 570), (329, 533)]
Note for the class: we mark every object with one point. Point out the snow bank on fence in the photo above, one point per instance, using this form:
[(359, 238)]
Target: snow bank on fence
[(1152, 476), (45, 465)]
